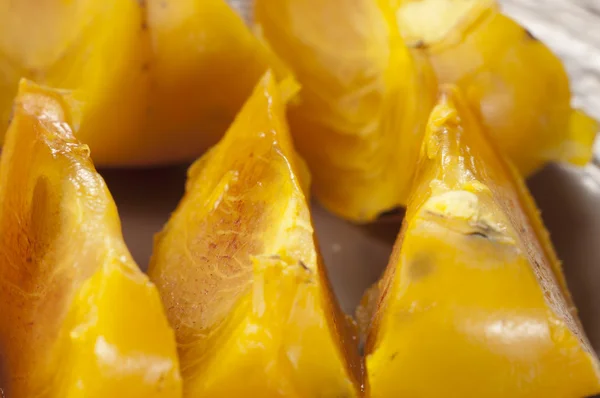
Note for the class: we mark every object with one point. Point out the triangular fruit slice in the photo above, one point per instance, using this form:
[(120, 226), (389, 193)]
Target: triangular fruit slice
[(99, 48), (473, 303), (77, 317), (240, 274)]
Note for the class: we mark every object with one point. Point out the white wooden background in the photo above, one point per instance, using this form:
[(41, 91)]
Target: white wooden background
[(570, 27)]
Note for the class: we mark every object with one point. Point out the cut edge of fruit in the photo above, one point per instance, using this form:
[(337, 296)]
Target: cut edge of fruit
[(84, 334), (51, 105), (452, 95)]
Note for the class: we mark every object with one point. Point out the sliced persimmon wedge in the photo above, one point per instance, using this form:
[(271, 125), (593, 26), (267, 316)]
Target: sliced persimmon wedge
[(240, 274), (77, 316), (474, 302)]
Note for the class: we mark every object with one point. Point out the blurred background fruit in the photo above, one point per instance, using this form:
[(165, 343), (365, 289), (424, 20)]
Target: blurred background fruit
[(517, 86), (363, 102), (364, 94), (159, 81)]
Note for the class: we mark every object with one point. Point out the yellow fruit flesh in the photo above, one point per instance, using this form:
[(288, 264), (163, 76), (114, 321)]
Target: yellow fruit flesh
[(96, 48), (515, 83), (158, 81), (364, 100), (473, 303), (205, 64), (77, 317), (240, 275), (426, 22)]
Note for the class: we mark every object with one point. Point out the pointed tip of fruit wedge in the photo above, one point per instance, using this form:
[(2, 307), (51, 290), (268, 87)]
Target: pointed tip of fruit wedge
[(450, 112), (49, 104)]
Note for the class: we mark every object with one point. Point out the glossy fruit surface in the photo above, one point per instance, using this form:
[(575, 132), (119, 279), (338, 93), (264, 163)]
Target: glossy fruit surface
[(240, 275), (364, 101), (78, 319), (474, 297), (158, 81), (518, 87)]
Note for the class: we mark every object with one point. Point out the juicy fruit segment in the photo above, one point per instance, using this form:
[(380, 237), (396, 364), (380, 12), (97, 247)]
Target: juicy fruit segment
[(240, 275), (364, 101), (96, 47), (77, 317), (518, 86), (474, 297), (205, 63), (158, 81)]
